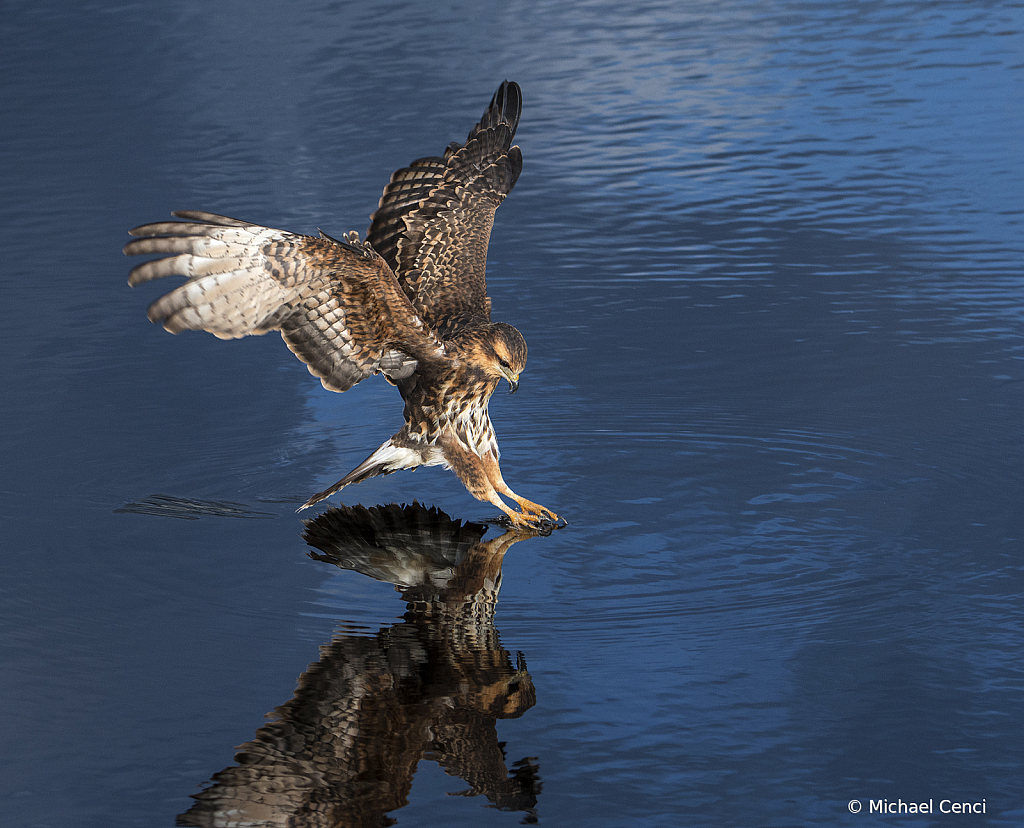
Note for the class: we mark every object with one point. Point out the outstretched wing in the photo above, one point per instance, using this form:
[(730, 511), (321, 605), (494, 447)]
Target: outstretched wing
[(337, 304), (434, 220)]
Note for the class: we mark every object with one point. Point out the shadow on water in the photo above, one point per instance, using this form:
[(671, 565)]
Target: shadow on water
[(344, 749), (190, 509)]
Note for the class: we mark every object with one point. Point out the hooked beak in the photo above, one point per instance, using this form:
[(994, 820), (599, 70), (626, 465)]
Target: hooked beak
[(513, 381)]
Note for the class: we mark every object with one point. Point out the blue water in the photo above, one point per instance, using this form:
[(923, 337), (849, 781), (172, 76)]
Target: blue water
[(767, 259)]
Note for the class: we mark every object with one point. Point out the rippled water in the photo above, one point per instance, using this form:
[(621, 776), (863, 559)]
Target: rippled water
[(767, 260)]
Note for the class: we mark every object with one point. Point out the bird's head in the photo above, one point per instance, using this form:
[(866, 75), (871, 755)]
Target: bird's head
[(500, 350)]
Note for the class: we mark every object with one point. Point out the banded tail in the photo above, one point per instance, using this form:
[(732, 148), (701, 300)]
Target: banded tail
[(396, 454)]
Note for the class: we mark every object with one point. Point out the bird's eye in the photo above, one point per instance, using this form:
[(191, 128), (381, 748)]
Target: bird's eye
[(502, 363)]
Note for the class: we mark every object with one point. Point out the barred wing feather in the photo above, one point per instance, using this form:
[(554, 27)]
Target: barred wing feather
[(336, 303), (433, 224)]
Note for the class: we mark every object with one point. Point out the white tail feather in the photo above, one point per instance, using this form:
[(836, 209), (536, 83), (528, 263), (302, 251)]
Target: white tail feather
[(390, 457)]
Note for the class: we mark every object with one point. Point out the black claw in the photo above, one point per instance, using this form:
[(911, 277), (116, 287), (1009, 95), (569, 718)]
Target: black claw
[(541, 525)]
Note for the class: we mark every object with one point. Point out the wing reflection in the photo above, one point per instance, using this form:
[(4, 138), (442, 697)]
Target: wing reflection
[(343, 750)]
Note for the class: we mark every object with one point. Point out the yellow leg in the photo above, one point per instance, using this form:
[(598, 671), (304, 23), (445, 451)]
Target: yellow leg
[(532, 513), (482, 477)]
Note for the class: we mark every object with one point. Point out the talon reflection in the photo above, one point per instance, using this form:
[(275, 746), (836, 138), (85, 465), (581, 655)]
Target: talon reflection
[(344, 749)]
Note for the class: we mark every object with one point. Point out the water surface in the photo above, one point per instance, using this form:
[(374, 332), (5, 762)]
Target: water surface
[(767, 260)]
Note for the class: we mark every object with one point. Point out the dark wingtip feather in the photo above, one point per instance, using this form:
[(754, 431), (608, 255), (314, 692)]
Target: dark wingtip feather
[(515, 157), (505, 108), (511, 103)]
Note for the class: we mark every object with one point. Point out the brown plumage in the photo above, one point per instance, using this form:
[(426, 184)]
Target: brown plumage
[(410, 302), (430, 687)]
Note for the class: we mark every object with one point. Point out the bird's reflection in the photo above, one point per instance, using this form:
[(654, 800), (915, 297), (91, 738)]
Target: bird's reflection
[(343, 750)]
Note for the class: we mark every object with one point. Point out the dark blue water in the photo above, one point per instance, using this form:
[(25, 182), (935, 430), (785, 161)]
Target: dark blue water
[(767, 258)]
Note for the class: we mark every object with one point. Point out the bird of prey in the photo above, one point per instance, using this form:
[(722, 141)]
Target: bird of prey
[(410, 302)]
